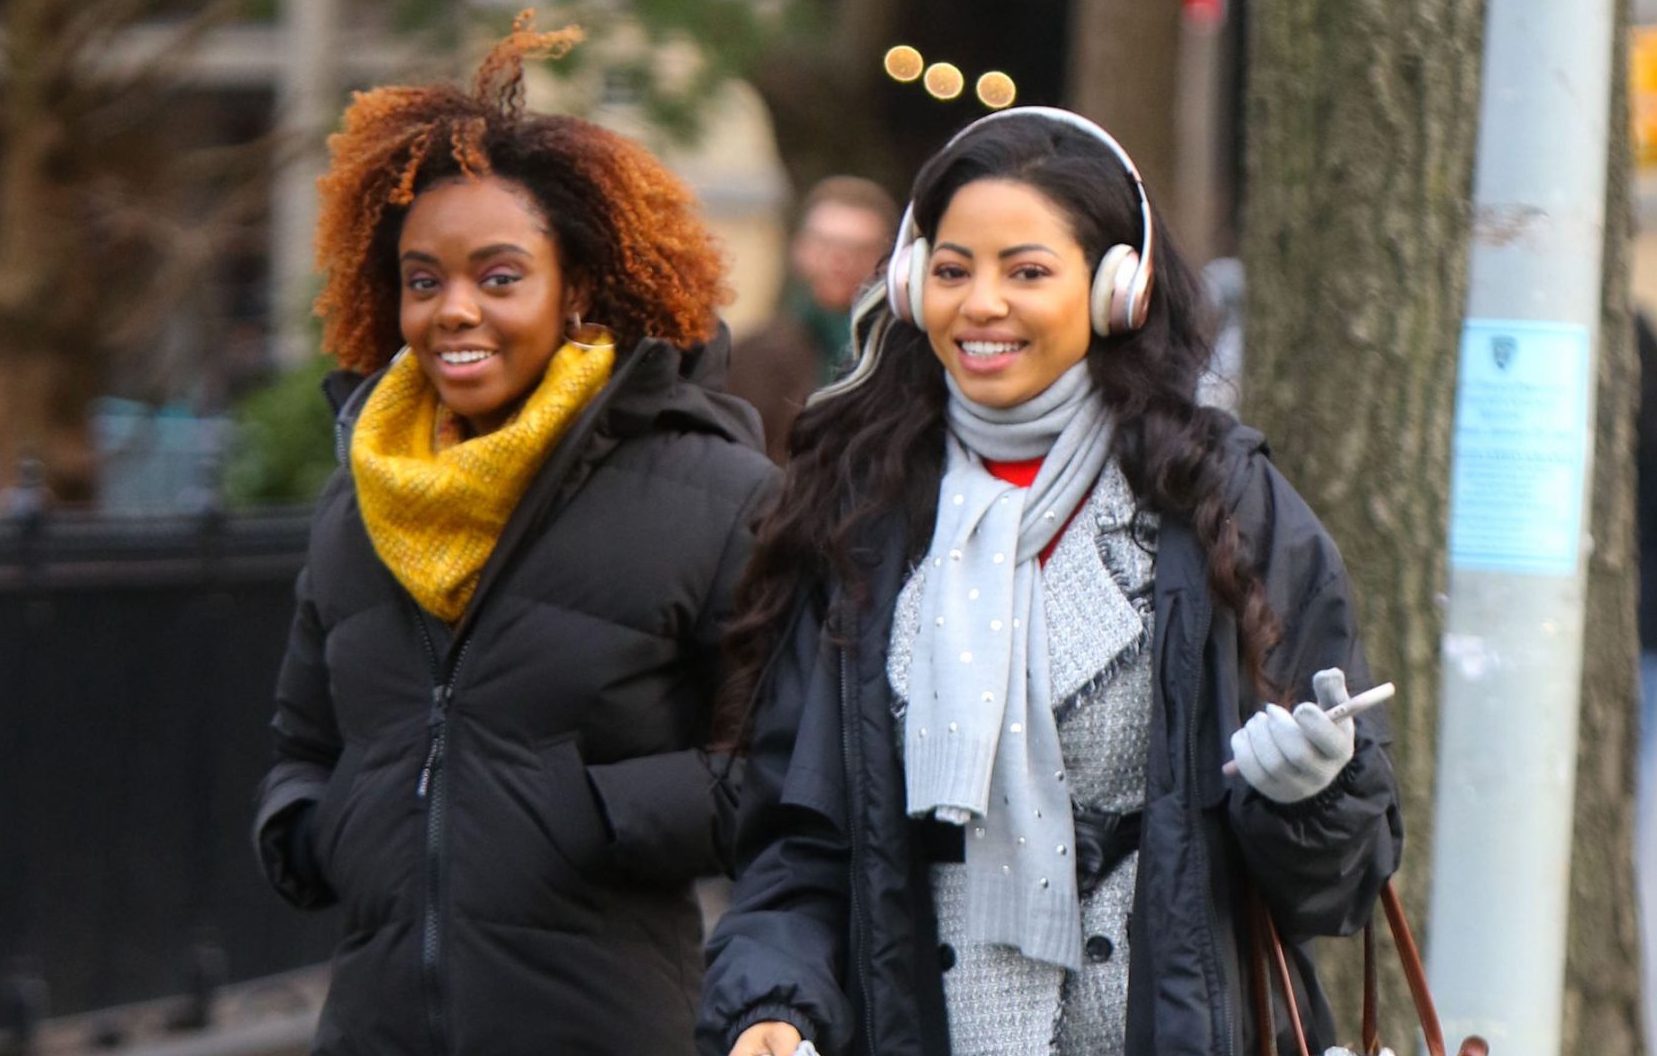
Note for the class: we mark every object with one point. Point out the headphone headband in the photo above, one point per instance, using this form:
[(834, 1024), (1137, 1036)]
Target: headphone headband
[(1080, 124)]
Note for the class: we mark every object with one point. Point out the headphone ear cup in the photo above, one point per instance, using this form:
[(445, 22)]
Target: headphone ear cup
[(920, 255), (905, 275), (897, 281), (1108, 300), (1138, 295)]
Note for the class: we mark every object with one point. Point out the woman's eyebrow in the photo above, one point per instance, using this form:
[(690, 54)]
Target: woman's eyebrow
[(1010, 251), (476, 254), (499, 247), (1027, 247)]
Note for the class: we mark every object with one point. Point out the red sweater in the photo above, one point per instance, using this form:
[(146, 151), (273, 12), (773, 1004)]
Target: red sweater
[(1023, 474)]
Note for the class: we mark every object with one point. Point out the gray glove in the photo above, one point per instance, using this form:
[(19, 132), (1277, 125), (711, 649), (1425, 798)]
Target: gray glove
[(1289, 757)]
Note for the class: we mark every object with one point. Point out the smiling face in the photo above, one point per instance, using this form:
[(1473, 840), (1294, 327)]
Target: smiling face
[(1005, 305), (484, 295)]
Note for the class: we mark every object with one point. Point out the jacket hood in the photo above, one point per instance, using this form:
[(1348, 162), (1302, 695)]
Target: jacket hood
[(660, 385), (683, 389)]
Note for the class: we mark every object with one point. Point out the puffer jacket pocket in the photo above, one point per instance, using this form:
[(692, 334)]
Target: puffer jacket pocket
[(568, 813), (368, 834), (331, 809)]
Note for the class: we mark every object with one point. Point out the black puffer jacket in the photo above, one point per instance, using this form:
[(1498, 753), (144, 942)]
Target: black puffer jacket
[(831, 926), (511, 813)]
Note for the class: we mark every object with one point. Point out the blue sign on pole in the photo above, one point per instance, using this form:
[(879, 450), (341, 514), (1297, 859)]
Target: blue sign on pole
[(1520, 447)]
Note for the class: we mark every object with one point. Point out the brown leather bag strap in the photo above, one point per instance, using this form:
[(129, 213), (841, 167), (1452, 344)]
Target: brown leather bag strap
[(1270, 960), (1289, 999), (1415, 975), (1260, 976)]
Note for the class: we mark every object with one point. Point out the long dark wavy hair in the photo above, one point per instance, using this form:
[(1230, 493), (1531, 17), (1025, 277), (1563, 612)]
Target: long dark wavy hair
[(877, 449)]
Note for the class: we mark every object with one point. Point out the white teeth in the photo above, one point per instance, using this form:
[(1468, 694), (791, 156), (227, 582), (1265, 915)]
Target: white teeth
[(990, 348), (470, 355)]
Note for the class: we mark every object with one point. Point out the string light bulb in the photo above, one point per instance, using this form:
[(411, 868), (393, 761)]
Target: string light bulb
[(943, 80), (996, 90), (904, 63)]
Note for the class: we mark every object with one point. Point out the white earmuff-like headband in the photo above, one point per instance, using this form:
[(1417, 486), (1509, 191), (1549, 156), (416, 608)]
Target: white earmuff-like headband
[(1121, 294)]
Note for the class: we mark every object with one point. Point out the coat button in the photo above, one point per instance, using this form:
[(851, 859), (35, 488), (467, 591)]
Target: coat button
[(1099, 948), (946, 956)]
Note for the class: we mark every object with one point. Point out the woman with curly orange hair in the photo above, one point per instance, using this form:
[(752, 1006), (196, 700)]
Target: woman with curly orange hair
[(491, 718)]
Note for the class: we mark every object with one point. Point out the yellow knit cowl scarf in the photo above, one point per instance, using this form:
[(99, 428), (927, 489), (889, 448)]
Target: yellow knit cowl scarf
[(434, 512)]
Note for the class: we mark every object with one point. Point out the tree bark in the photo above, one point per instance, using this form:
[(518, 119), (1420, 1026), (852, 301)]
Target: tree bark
[(822, 97), (50, 381), (1124, 74), (111, 214), (1361, 124), (1602, 985)]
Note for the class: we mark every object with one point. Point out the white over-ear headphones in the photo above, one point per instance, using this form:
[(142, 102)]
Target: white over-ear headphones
[(1121, 295)]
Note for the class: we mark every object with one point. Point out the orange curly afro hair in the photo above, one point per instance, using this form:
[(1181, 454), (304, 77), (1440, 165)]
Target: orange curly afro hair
[(625, 227)]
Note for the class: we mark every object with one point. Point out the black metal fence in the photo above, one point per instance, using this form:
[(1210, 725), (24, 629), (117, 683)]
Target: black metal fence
[(137, 658)]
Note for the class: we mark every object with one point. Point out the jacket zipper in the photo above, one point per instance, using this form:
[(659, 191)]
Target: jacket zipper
[(432, 786), (432, 789), (1217, 980), (854, 778)]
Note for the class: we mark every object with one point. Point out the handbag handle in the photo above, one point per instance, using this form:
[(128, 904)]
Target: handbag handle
[(1270, 958)]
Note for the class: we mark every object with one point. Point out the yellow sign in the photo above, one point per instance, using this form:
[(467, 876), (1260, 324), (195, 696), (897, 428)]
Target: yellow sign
[(1642, 84)]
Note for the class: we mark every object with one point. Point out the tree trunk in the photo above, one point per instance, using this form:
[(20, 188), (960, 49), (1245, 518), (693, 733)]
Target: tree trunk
[(111, 213), (822, 97), (1602, 987), (49, 381), (1124, 74), (1361, 123)]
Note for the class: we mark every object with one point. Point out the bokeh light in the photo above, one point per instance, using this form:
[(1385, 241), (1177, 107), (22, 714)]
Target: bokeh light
[(944, 80), (996, 90), (904, 63)]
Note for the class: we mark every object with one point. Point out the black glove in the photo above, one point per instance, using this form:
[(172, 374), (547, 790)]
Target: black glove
[(1103, 839), (288, 849)]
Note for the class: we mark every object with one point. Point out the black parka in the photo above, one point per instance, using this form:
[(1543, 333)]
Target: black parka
[(831, 925), (510, 811)]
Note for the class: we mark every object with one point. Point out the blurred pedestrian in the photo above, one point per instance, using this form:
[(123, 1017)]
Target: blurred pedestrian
[(1017, 605), (846, 226), (491, 716)]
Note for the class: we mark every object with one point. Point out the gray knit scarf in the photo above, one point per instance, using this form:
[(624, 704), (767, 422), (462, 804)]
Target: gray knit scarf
[(981, 745)]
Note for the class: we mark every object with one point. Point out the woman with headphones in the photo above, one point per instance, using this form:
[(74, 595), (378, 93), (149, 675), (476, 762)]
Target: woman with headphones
[(1018, 605)]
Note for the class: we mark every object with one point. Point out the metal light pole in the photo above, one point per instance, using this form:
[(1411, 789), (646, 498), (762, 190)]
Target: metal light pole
[(1519, 486)]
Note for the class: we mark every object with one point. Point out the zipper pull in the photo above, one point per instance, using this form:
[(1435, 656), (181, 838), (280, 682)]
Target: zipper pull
[(426, 772), (441, 695)]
